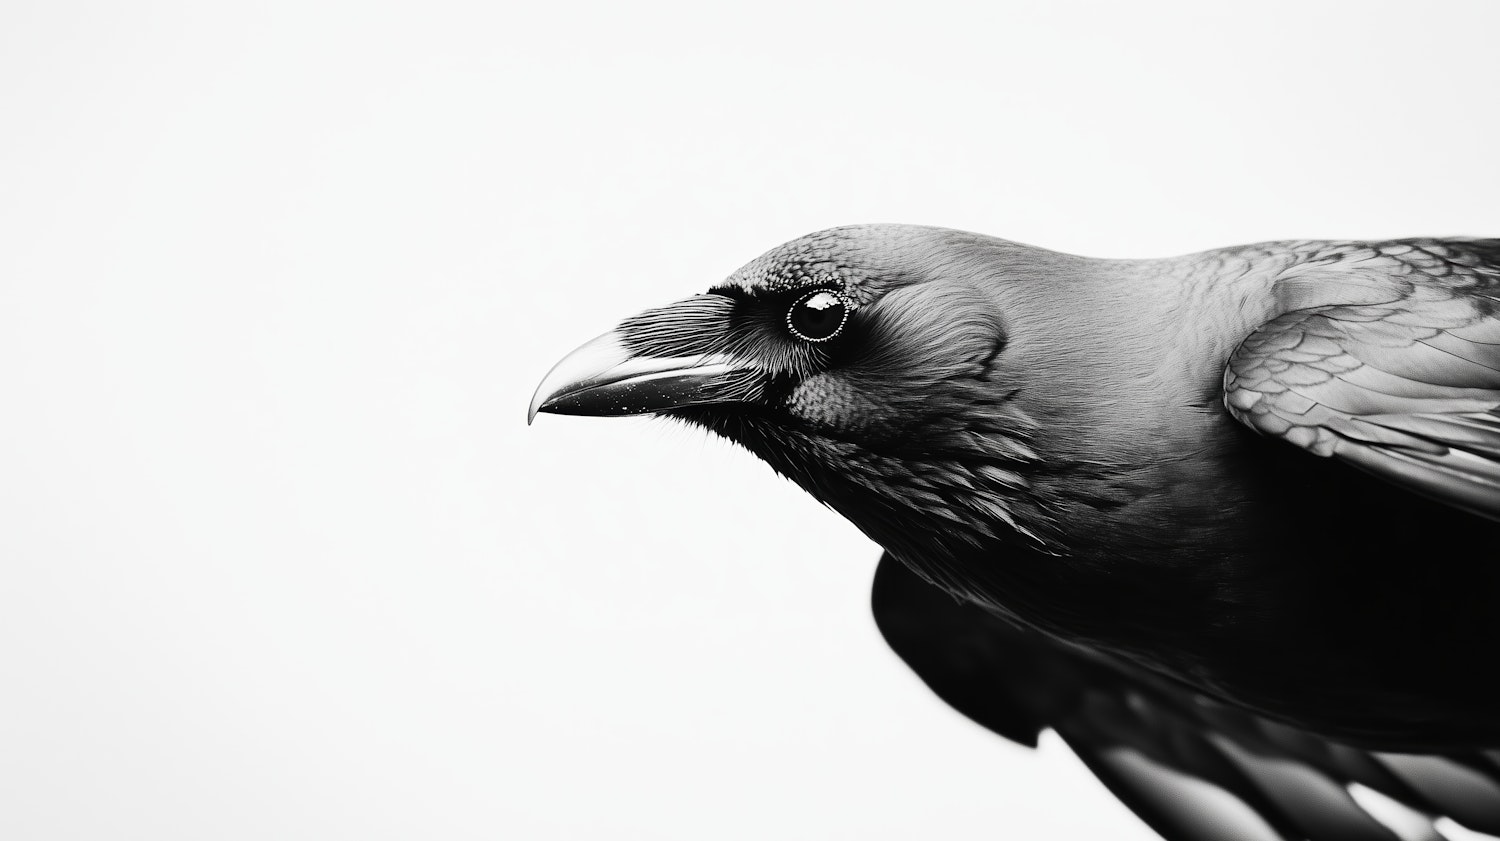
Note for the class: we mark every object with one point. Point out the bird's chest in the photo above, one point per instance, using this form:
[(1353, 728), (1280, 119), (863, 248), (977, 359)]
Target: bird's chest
[(1293, 586)]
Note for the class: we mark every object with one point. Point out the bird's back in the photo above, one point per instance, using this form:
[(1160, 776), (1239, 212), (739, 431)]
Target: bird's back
[(1295, 585)]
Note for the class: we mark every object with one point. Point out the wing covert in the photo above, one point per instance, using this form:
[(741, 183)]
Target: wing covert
[(1408, 390)]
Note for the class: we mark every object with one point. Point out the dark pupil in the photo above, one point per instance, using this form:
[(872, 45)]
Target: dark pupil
[(818, 316)]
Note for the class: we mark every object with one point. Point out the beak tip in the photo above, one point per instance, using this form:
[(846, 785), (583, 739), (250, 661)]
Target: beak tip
[(576, 369), (538, 403)]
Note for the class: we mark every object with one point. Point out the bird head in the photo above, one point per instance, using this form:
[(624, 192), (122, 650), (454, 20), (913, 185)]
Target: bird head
[(914, 379)]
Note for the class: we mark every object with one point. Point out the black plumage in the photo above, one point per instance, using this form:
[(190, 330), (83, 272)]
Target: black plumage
[(1228, 517)]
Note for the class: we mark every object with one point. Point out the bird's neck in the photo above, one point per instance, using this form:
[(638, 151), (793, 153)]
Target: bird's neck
[(937, 510)]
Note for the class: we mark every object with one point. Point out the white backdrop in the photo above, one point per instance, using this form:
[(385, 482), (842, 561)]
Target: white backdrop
[(279, 557)]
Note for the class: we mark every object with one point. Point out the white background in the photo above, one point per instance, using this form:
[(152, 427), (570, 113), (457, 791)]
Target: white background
[(279, 557)]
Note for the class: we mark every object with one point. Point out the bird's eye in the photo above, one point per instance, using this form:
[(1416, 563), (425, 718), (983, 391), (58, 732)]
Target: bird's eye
[(818, 316)]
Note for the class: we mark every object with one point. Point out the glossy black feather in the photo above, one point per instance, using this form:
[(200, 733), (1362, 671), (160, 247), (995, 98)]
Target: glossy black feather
[(1159, 744)]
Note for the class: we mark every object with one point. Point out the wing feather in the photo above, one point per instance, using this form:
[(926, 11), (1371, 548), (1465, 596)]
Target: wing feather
[(1193, 768), (1408, 390)]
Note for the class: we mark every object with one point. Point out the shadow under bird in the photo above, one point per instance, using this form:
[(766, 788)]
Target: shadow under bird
[(1227, 522)]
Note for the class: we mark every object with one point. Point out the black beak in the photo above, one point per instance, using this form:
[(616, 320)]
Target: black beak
[(682, 368)]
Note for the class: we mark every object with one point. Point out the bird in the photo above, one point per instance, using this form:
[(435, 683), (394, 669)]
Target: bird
[(1228, 523)]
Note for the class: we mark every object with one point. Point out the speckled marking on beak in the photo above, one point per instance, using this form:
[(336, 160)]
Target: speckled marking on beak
[(604, 378)]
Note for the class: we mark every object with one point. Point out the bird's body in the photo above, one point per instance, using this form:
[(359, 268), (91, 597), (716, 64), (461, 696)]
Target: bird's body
[(1085, 450)]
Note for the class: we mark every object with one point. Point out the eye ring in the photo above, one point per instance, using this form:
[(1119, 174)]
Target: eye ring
[(818, 316)]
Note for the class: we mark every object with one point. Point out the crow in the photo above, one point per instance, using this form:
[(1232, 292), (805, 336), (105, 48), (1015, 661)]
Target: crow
[(1226, 522)]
